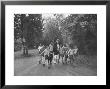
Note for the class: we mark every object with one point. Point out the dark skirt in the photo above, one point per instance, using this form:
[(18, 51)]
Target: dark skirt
[(56, 52), (50, 56)]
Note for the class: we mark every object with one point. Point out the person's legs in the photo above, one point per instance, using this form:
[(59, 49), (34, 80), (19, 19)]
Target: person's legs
[(43, 61), (60, 58), (46, 59), (69, 59), (57, 58), (66, 58), (51, 58), (72, 58), (54, 58), (63, 59)]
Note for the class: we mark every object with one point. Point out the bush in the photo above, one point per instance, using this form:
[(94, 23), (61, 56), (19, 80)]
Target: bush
[(17, 47), (82, 59)]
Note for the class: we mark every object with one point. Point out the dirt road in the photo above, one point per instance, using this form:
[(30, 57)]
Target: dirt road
[(29, 66)]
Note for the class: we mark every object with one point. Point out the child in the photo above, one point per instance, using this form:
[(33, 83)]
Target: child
[(46, 55), (39, 48)]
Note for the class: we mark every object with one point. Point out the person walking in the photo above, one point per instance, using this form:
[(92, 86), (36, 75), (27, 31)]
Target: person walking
[(56, 52), (70, 53)]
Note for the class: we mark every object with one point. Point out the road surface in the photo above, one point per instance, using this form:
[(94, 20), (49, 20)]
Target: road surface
[(29, 66)]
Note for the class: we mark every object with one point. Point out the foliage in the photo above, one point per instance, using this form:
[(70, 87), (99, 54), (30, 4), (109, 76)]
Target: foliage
[(28, 28), (85, 34), (74, 29), (52, 31)]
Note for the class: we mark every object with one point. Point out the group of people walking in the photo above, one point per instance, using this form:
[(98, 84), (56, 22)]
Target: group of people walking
[(57, 53)]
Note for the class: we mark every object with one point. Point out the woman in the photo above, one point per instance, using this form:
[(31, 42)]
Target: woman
[(46, 55)]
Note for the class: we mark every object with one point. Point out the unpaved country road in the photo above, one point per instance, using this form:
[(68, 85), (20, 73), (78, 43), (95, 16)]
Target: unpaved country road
[(30, 67)]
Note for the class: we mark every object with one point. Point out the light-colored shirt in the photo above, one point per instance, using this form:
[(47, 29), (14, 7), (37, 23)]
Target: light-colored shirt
[(39, 48), (75, 50), (70, 52)]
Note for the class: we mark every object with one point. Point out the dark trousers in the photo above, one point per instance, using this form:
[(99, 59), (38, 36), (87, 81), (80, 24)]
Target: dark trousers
[(50, 58)]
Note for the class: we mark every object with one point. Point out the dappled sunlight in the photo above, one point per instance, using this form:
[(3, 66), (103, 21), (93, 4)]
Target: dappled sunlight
[(55, 44)]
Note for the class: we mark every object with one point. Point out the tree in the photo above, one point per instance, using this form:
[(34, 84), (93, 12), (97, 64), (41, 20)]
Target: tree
[(81, 30), (17, 32), (85, 34), (68, 26), (51, 31), (28, 28), (34, 34)]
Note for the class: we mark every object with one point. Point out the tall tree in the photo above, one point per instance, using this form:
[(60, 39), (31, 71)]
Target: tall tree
[(81, 30), (51, 31), (30, 28), (85, 34)]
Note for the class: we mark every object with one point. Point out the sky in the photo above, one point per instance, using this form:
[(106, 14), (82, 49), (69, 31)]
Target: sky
[(44, 16)]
